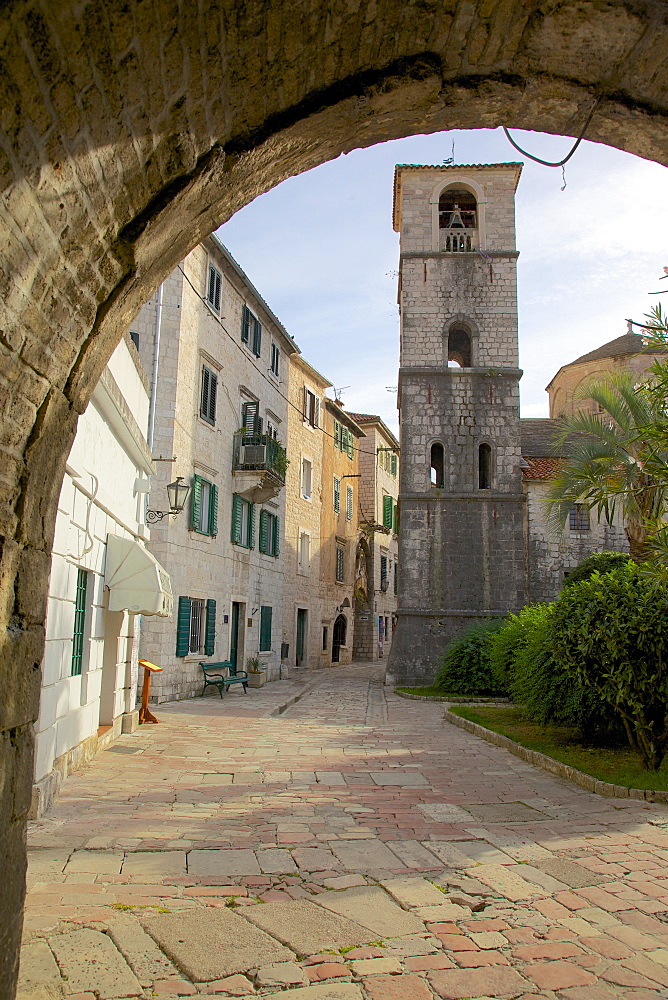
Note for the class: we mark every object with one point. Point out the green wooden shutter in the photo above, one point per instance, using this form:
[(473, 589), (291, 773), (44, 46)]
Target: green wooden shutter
[(251, 525), (183, 627), (387, 511), (265, 629), (210, 628), (245, 324), (275, 541), (337, 434), (257, 338), (395, 520), (264, 531), (351, 445), (393, 464), (213, 509), (237, 514), (196, 504)]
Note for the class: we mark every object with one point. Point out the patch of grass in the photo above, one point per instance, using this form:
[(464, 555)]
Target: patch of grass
[(123, 907), (427, 692), (616, 764)]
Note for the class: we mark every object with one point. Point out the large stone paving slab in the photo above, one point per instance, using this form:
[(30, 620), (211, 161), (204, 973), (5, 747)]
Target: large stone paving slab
[(211, 944), (307, 928), (223, 862), (572, 875), (315, 859), (90, 962), (155, 864), (38, 971), (326, 991), (445, 812), (373, 908), (275, 861), (495, 981), (95, 863), (414, 891), (403, 779), (362, 855), (414, 854), (139, 949), (506, 812)]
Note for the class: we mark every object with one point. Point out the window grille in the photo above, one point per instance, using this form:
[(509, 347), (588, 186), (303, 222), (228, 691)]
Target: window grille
[(579, 518), (196, 609), (79, 623), (339, 563), (337, 495), (349, 503)]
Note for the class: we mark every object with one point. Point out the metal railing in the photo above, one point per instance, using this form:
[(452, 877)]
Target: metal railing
[(259, 453)]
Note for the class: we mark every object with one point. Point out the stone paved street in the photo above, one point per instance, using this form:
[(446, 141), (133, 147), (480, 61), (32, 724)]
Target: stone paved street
[(350, 846)]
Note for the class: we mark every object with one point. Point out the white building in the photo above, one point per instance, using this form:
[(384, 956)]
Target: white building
[(102, 579), (218, 359)]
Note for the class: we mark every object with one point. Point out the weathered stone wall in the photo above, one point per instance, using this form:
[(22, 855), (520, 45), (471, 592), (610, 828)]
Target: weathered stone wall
[(125, 141)]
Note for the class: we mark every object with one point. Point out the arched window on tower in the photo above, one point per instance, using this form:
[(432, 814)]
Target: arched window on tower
[(484, 467), (459, 345), (437, 462), (457, 220)]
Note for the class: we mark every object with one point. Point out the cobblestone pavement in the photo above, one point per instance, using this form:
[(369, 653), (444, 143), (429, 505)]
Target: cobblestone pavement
[(351, 846)]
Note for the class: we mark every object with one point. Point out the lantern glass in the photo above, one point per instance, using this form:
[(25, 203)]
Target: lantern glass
[(178, 494)]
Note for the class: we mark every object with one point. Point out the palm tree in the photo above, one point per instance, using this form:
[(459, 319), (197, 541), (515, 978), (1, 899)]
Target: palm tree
[(610, 461)]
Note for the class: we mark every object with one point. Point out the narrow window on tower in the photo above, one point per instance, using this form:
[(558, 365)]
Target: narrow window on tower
[(484, 467), (437, 462)]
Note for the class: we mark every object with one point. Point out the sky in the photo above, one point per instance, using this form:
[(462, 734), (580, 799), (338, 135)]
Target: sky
[(321, 250)]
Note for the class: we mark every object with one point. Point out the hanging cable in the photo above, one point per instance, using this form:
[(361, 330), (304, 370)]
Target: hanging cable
[(559, 163)]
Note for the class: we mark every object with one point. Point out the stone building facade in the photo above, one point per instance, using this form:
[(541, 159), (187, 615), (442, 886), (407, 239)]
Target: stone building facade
[(341, 442), (89, 670), (463, 510), (305, 496), (218, 358), (376, 561)]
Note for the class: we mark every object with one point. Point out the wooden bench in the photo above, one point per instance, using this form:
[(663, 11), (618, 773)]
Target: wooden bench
[(214, 674)]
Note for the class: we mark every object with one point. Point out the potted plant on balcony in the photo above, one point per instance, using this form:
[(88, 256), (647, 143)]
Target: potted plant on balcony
[(257, 675)]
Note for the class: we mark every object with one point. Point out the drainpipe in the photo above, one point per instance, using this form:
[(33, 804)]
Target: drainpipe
[(154, 380)]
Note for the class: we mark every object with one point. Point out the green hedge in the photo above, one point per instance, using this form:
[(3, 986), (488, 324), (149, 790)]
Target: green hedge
[(597, 562), (466, 667), (610, 634)]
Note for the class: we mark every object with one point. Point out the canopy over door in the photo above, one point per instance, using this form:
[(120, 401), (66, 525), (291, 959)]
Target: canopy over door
[(136, 580)]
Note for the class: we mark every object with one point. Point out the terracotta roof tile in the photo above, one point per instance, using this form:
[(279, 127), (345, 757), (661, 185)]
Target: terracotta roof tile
[(540, 468)]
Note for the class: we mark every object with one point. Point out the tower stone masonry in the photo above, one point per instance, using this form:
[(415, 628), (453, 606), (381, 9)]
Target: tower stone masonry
[(462, 551)]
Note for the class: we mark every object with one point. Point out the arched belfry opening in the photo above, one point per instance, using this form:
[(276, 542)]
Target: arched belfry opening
[(458, 220), (459, 346)]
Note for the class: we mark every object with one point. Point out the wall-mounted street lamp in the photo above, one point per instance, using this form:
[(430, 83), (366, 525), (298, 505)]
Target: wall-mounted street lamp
[(177, 493)]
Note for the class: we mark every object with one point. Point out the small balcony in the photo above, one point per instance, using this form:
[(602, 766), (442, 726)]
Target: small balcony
[(259, 464), (458, 240)]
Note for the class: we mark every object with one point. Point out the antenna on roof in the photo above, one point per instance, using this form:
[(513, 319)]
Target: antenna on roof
[(451, 159), (337, 392)]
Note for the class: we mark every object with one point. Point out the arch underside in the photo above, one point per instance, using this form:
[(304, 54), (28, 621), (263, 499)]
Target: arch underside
[(130, 130)]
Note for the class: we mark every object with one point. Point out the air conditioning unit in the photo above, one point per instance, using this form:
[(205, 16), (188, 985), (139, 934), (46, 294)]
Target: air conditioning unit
[(253, 454)]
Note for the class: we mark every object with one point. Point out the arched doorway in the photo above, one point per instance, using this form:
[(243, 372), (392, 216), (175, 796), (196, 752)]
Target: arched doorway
[(338, 637), (125, 142)]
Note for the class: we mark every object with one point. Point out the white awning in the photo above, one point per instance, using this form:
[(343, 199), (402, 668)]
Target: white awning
[(136, 580)]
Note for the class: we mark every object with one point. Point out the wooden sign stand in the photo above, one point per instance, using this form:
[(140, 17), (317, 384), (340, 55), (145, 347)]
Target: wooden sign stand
[(145, 714)]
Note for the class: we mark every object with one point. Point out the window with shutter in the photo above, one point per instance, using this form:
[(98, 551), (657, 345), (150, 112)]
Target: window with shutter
[(311, 408), (276, 536), (265, 629), (337, 495), (214, 288), (396, 579), (204, 507), (387, 511), (183, 627), (243, 522), (210, 628), (250, 417), (306, 478), (393, 465), (316, 413), (275, 359), (78, 631), (340, 557), (304, 552), (264, 532), (349, 503), (337, 434), (207, 409), (246, 324), (196, 503), (351, 445), (196, 616), (257, 337), (395, 519), (213, 510), (383, 572)]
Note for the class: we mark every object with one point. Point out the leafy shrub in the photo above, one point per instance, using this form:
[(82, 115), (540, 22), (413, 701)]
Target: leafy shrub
[(610, 634), (521, 659), (466, 668), (597, 562)]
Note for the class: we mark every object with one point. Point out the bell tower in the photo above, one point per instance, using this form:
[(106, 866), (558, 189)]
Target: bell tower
[(462, 509)]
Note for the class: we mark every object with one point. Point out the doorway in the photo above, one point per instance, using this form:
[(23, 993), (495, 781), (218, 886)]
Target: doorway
[(338, 638), (300, 650), (234, 633)]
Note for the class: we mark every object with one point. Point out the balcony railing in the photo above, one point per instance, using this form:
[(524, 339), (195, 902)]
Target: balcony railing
[(458, 240), (259, 453)]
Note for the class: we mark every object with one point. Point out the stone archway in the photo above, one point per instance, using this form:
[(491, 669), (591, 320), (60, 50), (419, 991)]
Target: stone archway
[(131, 129)]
